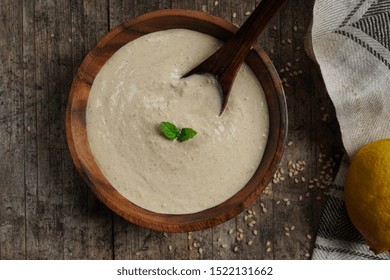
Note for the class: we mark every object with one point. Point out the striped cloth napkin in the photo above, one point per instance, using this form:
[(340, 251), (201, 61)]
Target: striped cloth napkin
[(351, 43)]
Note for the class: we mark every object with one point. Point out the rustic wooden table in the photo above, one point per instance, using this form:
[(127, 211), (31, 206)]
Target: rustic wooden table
[(46, 210)]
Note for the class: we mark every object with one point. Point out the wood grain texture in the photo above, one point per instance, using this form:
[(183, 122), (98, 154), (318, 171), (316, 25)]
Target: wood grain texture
[(47, 211), (12, 170)]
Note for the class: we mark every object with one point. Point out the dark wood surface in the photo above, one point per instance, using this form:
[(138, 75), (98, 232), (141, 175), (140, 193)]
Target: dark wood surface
[(46, 209)]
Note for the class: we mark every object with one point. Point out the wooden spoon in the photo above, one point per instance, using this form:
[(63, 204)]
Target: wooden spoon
[(226, 61)]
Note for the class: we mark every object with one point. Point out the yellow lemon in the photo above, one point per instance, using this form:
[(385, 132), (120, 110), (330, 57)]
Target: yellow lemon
[(367, 194)]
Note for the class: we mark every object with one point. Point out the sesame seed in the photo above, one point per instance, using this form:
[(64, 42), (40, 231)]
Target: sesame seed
[(219, 239), (224, 246), (235, 249), (277, 202), (289, 41), (200, 250), (288, 203), (290, 143), (286, 229), (308, 236), (268, 250), (254, 232), (230, 231), (250, 242), (300, 198), (292, 228), (240, 230), (234, 15), (274, 28), (289, 64), (137, 253), (296, 181), (287, 234), (216, 3), (295, 28), (307, 255), (165, 234), (268, 243), (170, 247)]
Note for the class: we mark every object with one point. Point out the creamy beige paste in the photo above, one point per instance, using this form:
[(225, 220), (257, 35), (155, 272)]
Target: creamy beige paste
[(138, 88)]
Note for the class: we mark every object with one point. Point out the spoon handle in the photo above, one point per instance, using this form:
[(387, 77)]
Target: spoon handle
[(243, 40), (255, 24), (226, 61)]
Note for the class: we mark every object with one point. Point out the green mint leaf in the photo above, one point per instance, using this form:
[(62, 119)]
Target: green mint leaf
[(186, 134), (169, 130)]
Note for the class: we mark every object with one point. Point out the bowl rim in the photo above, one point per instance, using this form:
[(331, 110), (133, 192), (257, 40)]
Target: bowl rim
[(83, 158)]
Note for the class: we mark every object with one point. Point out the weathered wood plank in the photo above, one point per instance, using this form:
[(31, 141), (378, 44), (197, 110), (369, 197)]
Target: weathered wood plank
[(30, 120), (90, 234), (121, 10), (12, 196), (76, 193), (45, 219)]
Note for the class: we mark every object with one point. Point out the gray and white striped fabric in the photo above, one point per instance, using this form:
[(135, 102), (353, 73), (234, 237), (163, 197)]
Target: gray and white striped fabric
[(351, 43)]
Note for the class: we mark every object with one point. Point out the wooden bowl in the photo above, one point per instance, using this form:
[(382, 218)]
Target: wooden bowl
[(84, 160)]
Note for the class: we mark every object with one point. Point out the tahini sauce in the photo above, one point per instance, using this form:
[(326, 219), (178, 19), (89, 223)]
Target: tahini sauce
[(138, 88)]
